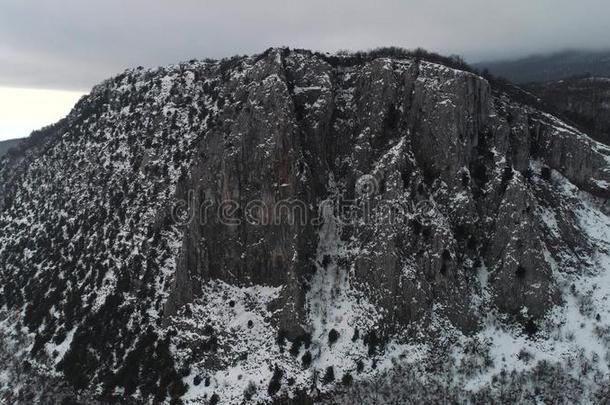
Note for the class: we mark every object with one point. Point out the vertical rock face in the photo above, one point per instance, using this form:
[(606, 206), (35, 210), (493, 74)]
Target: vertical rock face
[(247, 180), (219, 215), (522, 276)]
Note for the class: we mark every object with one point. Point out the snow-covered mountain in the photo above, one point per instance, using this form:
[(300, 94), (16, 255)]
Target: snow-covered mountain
[(293, 227)]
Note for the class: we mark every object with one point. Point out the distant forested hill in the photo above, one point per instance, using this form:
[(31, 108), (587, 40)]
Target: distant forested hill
[(6, 145), (583, 100), (542, 68)]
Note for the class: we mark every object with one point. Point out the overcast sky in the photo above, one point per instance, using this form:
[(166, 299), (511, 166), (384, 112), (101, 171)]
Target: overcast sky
[(73, 44)]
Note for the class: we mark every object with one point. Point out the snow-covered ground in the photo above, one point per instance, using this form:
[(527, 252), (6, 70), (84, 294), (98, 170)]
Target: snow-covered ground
[(578, 330)]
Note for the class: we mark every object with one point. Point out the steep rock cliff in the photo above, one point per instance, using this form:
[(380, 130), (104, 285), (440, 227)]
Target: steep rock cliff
[(211, 228)]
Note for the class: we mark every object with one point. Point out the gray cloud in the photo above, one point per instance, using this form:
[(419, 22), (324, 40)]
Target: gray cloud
[(73, 44)]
